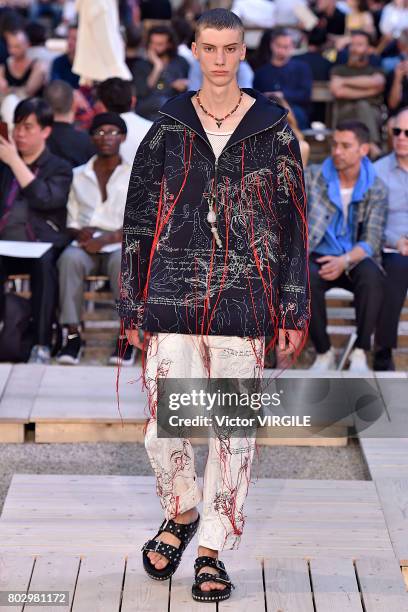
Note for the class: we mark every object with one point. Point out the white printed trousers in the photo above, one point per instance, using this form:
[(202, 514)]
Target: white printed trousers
[(227, 472)]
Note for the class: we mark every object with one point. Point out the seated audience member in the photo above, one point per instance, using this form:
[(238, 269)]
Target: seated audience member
[(286, 77), (397, 81), (319, 65), (46, 8), (331, 19), (394, 19), (61, 68), (185, 36), (245, 75), (20, 74), (116, 96), (393, 170), (37, 36), (398, 52), (65, 140), (347, 205), (34, 187), (95, 216), (135, 60), (168, 72), (359, 17), (358, 88)]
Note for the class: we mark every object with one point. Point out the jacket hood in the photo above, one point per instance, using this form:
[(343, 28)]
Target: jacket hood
[(262, 115)]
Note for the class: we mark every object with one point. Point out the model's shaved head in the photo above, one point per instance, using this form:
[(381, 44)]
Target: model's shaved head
[(219, 19)]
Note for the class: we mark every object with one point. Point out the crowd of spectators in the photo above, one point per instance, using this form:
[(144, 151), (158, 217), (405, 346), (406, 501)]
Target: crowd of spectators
[(64, 172)]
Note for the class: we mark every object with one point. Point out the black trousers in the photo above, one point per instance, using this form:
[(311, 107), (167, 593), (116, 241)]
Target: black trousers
[(44, 289), (366, 281), (396, 287)]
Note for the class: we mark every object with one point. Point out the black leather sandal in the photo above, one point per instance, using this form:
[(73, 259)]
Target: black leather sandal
[(215, 594), (184, 532)]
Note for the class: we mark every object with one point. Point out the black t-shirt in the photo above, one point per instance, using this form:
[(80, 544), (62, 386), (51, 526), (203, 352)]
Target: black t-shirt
[(319, 65), (74, 146), (335, 24)]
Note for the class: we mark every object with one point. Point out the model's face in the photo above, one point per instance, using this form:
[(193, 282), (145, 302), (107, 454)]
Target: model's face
[(400, 141), (346, 150), (219, 53), (107, 140), (160, 44), (17, 45), (282, 49), (29, 136)]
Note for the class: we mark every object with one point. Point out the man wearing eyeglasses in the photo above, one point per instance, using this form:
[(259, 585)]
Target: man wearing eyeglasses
[(95, 215), (393, 170)]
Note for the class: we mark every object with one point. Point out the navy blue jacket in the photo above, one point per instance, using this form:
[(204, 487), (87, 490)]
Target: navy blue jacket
[(174, 278)]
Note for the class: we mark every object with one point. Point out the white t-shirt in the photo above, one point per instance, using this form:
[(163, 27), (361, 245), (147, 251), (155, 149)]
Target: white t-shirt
[(218, 140), (346, 194)]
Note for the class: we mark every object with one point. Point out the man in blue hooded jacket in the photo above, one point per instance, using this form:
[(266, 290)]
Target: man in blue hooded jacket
[(347, 205)]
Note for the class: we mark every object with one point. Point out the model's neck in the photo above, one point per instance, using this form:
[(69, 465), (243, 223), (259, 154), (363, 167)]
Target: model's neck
[(219, 100)]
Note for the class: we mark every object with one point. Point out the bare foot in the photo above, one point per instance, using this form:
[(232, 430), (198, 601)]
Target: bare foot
[(158, 560), (208, 585)]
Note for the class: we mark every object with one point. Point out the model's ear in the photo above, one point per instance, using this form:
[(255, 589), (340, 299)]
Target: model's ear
[(194, 49), (243, 52)]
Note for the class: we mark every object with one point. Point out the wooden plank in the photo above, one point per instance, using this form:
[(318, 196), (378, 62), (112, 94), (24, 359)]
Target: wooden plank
[(89, 395), (386, 457), (5, 371), (287, 585), (18, 385), (335, 585), (99, 583), (15, 574), (180, 590), (54, 573), (393, 493), (337, 518), (246, 575), (382, 585), (12, 433), (141, 593), (88, 432)]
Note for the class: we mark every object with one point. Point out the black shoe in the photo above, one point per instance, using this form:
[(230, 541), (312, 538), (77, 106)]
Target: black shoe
[(383, 360), (71, 351), (184, 532), (222, 577), (123, 356)]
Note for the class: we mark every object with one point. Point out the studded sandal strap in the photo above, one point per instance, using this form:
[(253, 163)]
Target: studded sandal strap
[(181, 531), (206, 577), (171, 553), (204, 561)]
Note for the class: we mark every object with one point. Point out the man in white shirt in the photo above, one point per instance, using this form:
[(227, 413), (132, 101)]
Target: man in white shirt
[(95, 215), (117, 96)]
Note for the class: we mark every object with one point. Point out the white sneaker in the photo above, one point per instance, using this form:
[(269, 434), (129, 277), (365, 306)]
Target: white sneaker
[(358, 361), (324, 361)]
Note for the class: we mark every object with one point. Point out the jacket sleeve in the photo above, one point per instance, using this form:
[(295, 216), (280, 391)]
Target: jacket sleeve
[(50, 192), (294, 290), (373, 226), (139, 224)]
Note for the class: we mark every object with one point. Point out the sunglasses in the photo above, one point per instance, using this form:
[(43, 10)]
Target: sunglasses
[(397, 132), (102, 133)]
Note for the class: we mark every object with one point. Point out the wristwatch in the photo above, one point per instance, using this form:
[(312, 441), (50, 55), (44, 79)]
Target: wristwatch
[(348, 262)]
